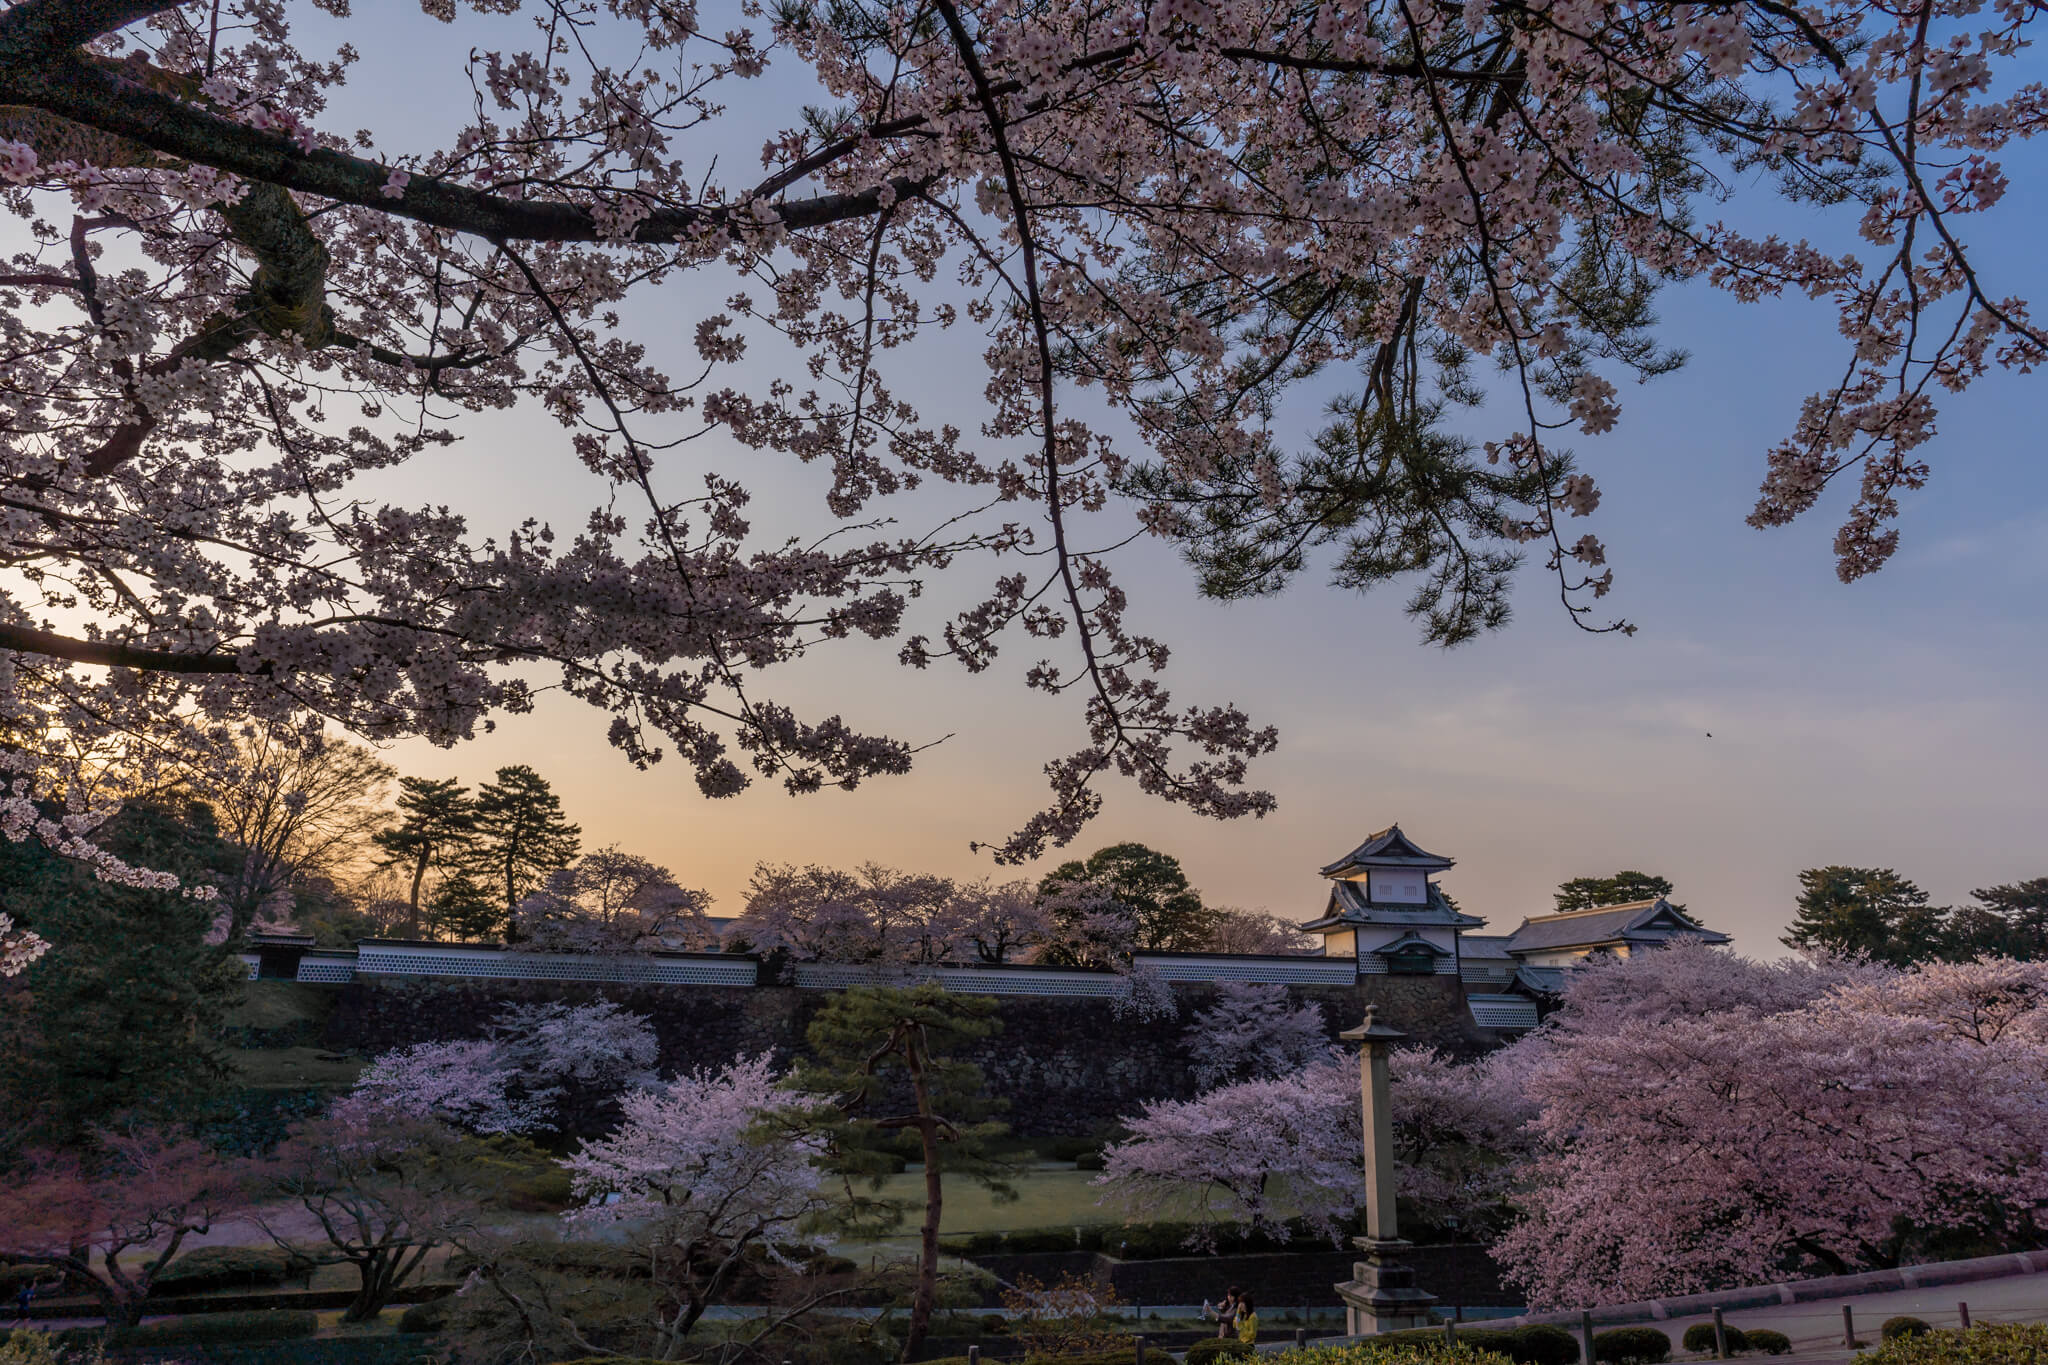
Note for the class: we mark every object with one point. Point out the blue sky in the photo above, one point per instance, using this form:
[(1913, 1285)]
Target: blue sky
[(1897, 721)]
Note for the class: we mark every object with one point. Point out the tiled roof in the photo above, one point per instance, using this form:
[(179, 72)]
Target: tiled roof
[(1485, 946), (1542, 980), (1388, 848), (1348, 905), (1502, 1011), (1603, 924), (1412, 940)]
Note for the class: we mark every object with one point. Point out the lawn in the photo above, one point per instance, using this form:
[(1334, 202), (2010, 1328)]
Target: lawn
[(293, 1068), (1047, 1197), (278, 1004)]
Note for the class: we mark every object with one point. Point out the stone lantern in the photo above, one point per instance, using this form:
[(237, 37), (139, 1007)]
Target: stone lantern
[(1381, 1295)]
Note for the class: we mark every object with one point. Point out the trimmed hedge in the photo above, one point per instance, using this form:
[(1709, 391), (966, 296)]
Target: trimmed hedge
[(1122, 1355), (423, 1318), (1217, 1348), (1537, 1344), (1903, 1325), (205, 1268), (1137, 1241), (1631, 1346), (216, 1329), (2005, 1343), (1769, 1342), (1700, 1338)]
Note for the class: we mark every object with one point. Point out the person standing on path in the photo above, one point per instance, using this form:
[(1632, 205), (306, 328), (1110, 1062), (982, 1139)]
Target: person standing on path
[(22, 1298)]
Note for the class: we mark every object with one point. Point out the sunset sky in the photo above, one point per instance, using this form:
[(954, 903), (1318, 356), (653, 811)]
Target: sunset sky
[(1894, 722)]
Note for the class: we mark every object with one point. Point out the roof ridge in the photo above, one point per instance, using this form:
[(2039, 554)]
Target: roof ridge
[(1595, 910)]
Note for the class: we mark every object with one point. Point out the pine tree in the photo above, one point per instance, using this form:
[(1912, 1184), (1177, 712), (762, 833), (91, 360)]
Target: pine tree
[(1587, 893), (120, 1021), (521, 837), (880, 1060), (437, 818), (2007, 921), (1867, 911), (464, 908)]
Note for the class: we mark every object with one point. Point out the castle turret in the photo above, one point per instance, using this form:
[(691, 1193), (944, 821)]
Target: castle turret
[(1386, 911)]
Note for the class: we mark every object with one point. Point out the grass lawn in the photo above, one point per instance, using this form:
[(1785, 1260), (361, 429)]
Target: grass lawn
[(292, 1068), (276, 1004), (1046, 1198)]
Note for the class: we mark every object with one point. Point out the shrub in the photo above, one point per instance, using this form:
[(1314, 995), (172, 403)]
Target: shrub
[(1985, 1344), (1631, 1346), (1542, 1344), (1700, 1338), (1395, 1348), (1122, 1355), (546, 1191), (208, 1268), (1202, 1352), (1089, 1161), (29, 1348), (217, 1329), (1533, 1345), (431, 1316), (1903, 1326), (1769, 1342)]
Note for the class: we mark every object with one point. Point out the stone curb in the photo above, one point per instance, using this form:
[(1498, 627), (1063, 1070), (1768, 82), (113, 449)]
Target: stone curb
[(1796, 1291), (1759, 1296)]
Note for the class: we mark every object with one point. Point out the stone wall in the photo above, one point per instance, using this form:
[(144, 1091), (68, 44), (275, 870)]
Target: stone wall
[(1067, 1067)]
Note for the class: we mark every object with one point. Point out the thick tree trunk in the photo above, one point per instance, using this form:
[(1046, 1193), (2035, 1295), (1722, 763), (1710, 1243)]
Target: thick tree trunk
[(927, 1295), (419, 876)]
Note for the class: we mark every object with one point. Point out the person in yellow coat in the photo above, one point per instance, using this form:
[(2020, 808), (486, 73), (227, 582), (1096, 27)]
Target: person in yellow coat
[(1247, 1320)]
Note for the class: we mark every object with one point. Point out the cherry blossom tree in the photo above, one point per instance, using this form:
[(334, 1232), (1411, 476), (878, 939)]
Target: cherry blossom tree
[(1714, 1144), (1252, 1154), (143, 1190), (229, 315), (1252, 1031), (379, 1186), (1259, 1153), (18, 947), (537, 1062), (871, 914), (697, 1180), (1259, 933), (609, 901), (997, 922)]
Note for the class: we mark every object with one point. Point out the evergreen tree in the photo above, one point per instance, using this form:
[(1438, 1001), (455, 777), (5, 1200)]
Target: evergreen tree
[(1152, 885), (1587, 893), (521, 837), (436, 820), (881, 1064), (1867, 911), (465, 908), (2007, 921), (120, 1020)]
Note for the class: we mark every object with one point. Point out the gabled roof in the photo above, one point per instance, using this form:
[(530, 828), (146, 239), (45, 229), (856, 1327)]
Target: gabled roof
[(1649, 920), (1541, 980), (1485, 947), (1349, 905), (1389, 848), (1412, 940)]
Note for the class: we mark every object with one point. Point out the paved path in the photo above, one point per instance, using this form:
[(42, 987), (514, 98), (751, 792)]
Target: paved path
[(1816, 1327)]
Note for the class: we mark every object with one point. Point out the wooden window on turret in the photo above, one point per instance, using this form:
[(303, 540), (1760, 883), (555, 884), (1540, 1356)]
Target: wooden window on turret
[(1411, 962)]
